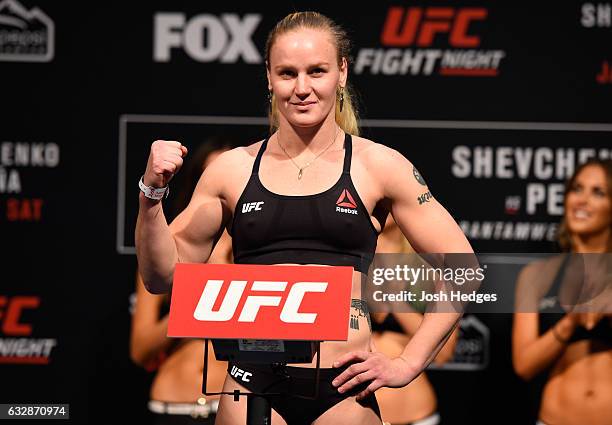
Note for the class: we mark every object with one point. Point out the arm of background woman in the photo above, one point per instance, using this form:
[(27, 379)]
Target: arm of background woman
[(531, 352), (191, 236), (148, 337)]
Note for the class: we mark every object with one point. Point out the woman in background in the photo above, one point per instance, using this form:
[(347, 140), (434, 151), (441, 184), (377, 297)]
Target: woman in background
[(416, 403), (575, 348), (176, 392)]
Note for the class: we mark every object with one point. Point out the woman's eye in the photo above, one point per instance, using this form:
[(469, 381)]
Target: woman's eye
[(599, 192)]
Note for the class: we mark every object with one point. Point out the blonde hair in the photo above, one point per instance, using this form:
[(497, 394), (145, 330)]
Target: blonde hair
[(347, 118)]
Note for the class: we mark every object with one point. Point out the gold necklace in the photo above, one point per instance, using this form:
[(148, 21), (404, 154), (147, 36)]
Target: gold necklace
[(301, 169)]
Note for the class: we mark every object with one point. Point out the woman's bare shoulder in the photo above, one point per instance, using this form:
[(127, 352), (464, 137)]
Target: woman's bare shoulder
[(537, 274), (230, 168), (376, 155), (544, 265), (238, 156)]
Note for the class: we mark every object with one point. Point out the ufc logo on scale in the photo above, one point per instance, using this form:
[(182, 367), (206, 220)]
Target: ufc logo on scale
[(260, 302), (289, 312), (206, 38)]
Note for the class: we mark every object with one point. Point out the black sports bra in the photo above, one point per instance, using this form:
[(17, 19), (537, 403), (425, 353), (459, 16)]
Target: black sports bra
[(551, 311), (331, 228), (390, 324)]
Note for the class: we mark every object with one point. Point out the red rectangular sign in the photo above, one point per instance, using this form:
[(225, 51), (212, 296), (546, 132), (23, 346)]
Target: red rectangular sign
[(240, 301)]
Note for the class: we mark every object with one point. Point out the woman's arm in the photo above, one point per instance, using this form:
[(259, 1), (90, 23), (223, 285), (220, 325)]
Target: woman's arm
[(531, 352), (410, 323), (191, 236), (148, 337), (429, 228), (448, 349)]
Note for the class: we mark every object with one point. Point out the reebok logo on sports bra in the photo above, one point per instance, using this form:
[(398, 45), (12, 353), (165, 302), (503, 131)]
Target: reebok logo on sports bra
[(345, 203), (252, 206)]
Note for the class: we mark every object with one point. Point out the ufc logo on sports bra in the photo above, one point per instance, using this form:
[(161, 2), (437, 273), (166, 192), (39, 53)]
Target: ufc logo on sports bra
[(252, 304), (252, 206), (241, 301)]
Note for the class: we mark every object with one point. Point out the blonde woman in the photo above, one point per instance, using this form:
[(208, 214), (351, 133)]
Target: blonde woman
[(324, 193)]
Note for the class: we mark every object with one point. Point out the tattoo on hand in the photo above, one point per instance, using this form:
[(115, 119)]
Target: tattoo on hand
[(425, 197), (362, 311)]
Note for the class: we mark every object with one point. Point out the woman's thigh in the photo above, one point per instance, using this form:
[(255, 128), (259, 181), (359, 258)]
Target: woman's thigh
[(349, 412), (234, 412)]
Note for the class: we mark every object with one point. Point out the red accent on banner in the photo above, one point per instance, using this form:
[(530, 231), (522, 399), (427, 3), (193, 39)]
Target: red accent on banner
[(24, 360), (430, 28), (403, 26), (605, 74), (459, 36), (11, 324), (393, 34), (238, 301), (24, 209), (464, 72)]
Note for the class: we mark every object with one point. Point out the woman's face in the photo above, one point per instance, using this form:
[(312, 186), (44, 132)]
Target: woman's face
[(587, 205), (304, 75)]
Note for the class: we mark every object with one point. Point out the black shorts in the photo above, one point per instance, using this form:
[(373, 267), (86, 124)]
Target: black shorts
[(296, 384)]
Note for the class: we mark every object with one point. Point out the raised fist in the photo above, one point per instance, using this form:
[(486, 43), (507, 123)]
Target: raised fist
[(165, 160)]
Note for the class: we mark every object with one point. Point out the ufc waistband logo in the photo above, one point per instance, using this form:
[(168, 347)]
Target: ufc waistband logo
[(238, 373), (289, 312), (400, 31), (252, 206), (206, 38)]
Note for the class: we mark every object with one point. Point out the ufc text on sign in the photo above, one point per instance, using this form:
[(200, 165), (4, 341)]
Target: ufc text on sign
[(239, 301)]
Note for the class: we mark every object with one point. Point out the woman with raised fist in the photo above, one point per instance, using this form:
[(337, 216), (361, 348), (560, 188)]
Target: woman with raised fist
[(323, 195), (563, 320)]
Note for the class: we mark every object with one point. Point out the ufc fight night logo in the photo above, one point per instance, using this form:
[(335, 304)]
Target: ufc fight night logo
[(18, 343), (206, 38), (422, 28)]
